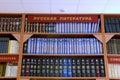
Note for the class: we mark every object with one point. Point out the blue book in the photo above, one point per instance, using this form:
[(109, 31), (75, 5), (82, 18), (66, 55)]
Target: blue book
[(69, 68), (35, 46), (62, 27), (57, 28), (98, 24), (95, 46), (89, 27), (100, 47), (60, 67), (83, 70), (32, 46), (92, 46), (40, 46), (70, 46), (29, 46), (92, 27), (56, 66), (55, 45), (73, 67), (68, 27), (65, 27), (67, 46), (83, 27), (71, 27), (47, 49), (78, 67), (64, 65)]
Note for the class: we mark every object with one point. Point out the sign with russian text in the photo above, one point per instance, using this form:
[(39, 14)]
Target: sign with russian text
[(114, 59), (62, 18), (9, 58)]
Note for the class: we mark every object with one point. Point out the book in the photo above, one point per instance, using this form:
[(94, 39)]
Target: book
[(73, 67), (2, 69), (102, 69), (69, 67), (97, 67), (78, 67), (43, 70), (56, 66), (83, 69), (64, 69), (87, 67), (92, 67), (13, 46), (11, 69), (39, 67)]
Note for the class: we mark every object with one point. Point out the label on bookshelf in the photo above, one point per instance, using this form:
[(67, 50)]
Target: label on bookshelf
[(114, 59), (62, 18), (10, 58)]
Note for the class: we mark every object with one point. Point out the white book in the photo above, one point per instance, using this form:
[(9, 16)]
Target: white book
[(13, 47), (11, 69), (118, 70), (109, 70)]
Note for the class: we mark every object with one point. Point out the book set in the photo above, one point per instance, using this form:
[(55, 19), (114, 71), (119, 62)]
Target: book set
[(59, 46)]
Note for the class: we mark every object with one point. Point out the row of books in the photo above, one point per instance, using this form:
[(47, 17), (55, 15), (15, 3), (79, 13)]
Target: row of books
[(114, 70), (8, 46), (63, 67), (10, 24), (112, 25), (62, 27), (8, 69), (36, 45), (113, 46)]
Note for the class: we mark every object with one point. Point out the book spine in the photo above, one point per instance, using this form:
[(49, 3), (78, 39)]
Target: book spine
[(57, 68), (78, 68), (52, 71), (39, 67), (92, 67), (43, 70), (87, 67), (73, 67), (64, 65), (69, 68)]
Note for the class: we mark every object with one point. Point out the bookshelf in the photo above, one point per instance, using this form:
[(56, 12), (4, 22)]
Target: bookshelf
[(58, 30)]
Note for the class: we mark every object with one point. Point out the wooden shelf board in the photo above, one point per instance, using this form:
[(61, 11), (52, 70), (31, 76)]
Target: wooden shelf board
[(113, 54), (67, 78), (42, 33), (72, 55), (6, 54), (9, 32), (114, 78), (8, 77)]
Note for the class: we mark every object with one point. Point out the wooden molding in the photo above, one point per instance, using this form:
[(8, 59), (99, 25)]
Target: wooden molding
[(108, 37), (24, 79), (17, 36), (26, 36), (99, 37), (100, 79)]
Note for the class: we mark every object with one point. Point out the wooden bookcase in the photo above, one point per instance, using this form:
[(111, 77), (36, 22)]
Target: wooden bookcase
[(22, 36)]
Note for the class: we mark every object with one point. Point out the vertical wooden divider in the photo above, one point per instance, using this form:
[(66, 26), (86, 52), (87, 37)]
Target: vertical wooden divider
[(104, 47), (21, 47)]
